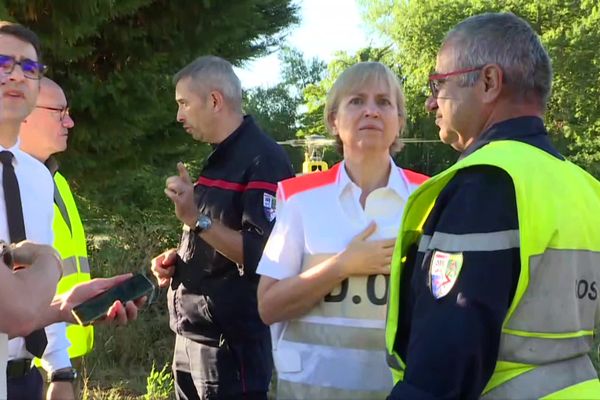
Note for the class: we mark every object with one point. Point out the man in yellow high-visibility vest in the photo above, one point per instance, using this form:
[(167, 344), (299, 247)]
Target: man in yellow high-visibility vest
[(44, 133), (496, 271)]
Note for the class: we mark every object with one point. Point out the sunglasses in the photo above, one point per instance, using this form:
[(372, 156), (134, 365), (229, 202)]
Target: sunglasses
[(31, 69)]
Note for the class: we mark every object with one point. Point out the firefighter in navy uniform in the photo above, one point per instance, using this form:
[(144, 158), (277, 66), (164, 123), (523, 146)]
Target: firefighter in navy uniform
[(485, 298), (222, 349)]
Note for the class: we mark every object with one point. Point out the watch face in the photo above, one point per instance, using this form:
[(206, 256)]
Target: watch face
[(204, 222), (65, 375)]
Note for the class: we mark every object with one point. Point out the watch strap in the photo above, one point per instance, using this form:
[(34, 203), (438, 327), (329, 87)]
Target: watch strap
[(63, 375)]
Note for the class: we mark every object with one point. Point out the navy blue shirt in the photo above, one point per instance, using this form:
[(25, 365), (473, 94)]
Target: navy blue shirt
[(211, 297), (450, 344)]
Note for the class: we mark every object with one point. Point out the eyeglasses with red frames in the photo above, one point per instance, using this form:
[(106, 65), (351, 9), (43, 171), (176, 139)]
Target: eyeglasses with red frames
[(436, 80), (64, 111)]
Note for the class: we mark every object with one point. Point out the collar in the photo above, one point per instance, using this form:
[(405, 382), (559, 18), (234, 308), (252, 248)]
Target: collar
[(15, 149), (221, 148), (52, 165), (521, 129), (396, 181)]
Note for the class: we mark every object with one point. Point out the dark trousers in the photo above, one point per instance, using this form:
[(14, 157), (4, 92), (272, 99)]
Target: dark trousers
[(223, 372), (27, 387)]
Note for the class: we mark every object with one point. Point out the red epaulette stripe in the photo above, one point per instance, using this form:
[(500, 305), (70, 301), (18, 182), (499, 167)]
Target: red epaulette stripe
[(309, 181), (237, 187), (414, 177)]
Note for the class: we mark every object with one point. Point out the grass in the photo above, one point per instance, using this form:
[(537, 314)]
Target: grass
[(123, 364)]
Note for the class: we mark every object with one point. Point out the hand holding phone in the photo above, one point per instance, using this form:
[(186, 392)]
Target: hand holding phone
[(95, 308), (163, 267)]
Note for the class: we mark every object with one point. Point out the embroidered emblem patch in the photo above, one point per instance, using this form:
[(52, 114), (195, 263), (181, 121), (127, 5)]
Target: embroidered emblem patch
[(269, 205), (443, 272)]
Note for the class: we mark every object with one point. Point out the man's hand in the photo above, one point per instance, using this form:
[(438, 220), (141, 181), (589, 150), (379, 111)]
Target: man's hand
[(363, 257), (60, 391), (117, 313), (180, 190), (163, 267), (25, 253)]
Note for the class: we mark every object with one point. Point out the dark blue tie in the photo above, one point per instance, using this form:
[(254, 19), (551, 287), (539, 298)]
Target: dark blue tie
[(36, 342)]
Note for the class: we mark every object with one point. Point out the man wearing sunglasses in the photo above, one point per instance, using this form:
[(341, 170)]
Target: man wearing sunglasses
[(26, 212), (494, 289), (43, 133)]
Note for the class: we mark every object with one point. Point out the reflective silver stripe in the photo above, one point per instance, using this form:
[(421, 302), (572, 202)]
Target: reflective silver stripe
[(348, 337), (424, 243), (535, 350), (492, 241), (292, 390), (545, 380), (393, 362), (563, 293), (69, 266), (84, 265)]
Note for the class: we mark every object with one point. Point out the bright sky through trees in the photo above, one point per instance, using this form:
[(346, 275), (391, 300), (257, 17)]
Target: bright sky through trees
[(326, 26)]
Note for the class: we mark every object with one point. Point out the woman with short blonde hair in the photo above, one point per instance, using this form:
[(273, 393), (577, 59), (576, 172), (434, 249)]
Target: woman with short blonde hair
[(358, 76), (325, 267)]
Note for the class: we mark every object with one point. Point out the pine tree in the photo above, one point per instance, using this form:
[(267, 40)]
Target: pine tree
[(115, 59)]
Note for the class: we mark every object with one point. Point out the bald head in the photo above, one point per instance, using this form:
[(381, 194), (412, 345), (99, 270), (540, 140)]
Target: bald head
[(45, 131), (47, 88)]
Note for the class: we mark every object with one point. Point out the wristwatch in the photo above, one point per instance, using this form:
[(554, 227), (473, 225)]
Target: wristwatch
[(203, 223), (63, 375)]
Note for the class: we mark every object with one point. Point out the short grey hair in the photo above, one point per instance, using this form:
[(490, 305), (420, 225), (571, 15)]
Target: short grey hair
[(510, 42), (214, 73)]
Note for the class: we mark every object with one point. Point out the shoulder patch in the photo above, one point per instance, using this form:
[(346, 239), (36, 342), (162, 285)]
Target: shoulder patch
[(269, 206), (443, 272), (413, 177), (298, 184)]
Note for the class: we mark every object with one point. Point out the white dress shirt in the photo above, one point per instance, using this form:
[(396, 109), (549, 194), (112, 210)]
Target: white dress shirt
[(37, 199)]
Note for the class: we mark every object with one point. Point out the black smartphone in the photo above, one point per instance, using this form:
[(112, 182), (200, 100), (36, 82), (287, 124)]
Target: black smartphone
[(96, 307)]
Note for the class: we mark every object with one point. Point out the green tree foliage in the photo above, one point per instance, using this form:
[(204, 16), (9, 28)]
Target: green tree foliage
[(115, 60), (278, 109), (570, 30)]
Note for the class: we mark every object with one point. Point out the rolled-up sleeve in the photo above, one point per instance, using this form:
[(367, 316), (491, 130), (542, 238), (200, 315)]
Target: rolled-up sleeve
[(282, 257)]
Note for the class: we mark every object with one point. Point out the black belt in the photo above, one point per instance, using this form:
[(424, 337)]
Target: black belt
[(18, 368)]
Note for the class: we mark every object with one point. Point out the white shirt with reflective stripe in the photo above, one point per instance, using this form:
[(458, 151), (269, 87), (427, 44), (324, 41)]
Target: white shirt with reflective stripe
[(317, 223)]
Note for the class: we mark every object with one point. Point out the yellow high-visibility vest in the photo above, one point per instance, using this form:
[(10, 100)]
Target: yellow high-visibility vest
[(69, 240), (549, 328)]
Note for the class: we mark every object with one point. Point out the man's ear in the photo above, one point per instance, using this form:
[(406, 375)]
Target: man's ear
[(492, 79), (217, 101)]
